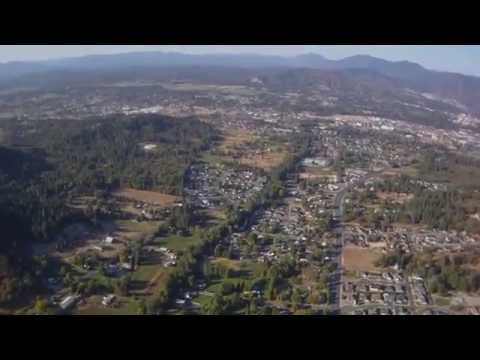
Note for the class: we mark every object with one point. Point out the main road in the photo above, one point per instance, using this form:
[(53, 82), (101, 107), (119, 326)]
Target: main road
[(336, 279)]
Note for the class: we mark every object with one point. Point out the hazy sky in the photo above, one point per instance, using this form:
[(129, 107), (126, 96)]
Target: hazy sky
[(458, 58)]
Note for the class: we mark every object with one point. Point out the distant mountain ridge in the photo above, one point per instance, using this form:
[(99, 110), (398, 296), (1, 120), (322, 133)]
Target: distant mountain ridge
[(462, 88), (155, 59)]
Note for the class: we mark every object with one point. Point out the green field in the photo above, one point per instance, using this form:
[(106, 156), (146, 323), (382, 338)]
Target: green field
[(202, 299), (178, 242), (125, 306), (457, 175), (146, 272), (214, 286), (212, 159), (145, 227), (441, 301)]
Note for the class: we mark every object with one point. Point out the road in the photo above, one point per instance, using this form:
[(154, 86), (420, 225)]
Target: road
[(336, 279)]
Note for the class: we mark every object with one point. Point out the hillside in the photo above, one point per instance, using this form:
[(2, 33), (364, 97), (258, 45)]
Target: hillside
[(88, 69)]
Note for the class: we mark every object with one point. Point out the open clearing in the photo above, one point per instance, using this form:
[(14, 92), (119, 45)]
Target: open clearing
[(228, 89), (121, 306), (399, 198), (360, 259), (177, 242), (234, 138), (240, 143), (228, 263), (149, 197), (411, 171), (266, 161), (315, 173)]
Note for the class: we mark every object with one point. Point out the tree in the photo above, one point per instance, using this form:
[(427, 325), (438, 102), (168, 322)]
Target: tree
[(41, 306), (121, 286), (297, 298), (142, 307)]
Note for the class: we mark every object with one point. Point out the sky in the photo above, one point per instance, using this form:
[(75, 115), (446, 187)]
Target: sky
[(457, 58)]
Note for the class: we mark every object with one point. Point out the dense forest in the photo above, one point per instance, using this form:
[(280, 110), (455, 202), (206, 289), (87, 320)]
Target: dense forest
[(50, 162)]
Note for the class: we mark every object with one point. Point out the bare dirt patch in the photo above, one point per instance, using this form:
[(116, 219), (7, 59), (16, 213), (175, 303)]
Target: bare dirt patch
[(470, 300), (235, 138), (399, 198), (266, 161), (315, 173), (242, 145), (148, 197), (409, 170), (360, 259)]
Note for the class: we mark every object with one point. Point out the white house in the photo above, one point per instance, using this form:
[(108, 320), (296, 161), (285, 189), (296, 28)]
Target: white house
[(109, 240)]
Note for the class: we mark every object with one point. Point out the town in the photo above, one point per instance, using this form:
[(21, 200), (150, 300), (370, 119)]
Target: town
[(281, 200)]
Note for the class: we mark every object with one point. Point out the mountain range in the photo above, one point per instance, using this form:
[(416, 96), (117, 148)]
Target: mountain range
[(461, 88)]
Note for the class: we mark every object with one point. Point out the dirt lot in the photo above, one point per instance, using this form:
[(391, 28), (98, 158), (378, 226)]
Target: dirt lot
[(121, 306), (266, 161), (470, 300), (149, 197), (227, 89), (409, 170), (235, 137), (360, 259), (399, 198), (315, 173)]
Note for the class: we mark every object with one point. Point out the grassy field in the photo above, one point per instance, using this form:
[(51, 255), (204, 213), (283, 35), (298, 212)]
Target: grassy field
[(230, 264), (146, 273), (144, 227), (316, 173), (243, 144), (178, 242), (411, 171), (212, 159), (399, 198), (149, 197), (227, 89), (266, 161), (464, 176), (234, 138), (359, 259), (456, 175), (202, 299), (122, 306), (212, 217), (149, 279), (214, 287), (441, 300)]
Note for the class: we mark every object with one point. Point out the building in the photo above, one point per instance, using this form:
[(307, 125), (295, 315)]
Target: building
[(68, 302), (108, 300)]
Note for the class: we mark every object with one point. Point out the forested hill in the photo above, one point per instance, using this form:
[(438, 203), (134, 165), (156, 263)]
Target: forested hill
[(47, 163), (75, 158), (109, 152)]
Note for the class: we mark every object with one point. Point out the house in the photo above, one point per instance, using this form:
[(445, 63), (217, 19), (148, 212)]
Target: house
[(109, 240), (111, 270), (149, 147), (68, 302), (170, 264), (126, 266), (108, 300)]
